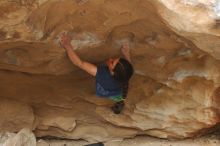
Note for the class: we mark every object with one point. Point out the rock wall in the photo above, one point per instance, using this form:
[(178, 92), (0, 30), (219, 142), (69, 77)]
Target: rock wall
[(197, 20), (173, 94)]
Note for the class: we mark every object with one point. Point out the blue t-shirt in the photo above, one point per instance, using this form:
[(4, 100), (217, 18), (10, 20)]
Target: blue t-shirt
[(106, 85)]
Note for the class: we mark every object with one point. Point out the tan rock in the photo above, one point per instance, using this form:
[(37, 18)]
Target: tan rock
[(15, 115), (23, 138), (174, 92), (195, 20)]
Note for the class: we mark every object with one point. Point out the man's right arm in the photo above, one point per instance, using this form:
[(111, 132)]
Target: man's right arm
[(75, 59)]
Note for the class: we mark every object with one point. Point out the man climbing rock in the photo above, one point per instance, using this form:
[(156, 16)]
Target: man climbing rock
[(112, 78)]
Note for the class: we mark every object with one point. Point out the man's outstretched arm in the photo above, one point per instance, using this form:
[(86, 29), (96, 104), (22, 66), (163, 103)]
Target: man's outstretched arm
[(125, 50), (75, 59)]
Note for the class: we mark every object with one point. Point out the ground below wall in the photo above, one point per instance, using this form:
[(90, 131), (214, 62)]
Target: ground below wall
[(27, 138), (211, 140)]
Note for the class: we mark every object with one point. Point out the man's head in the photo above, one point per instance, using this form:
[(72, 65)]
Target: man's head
[(111, 63), (120, 68)]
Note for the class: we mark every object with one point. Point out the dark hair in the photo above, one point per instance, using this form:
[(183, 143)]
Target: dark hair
[(122, 73)]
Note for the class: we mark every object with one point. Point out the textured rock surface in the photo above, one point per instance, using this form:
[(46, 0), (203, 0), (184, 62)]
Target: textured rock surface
[(175, 90), (140, 141), (23, 138), (197, 20), (15, 115)]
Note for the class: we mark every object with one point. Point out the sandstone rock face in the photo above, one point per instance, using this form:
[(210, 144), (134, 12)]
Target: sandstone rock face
[(174, 93), (23, 138), (15, 115), (198, 20)]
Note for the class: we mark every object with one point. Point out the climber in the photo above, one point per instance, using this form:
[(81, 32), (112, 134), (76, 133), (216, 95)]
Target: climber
[(111, 78)]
